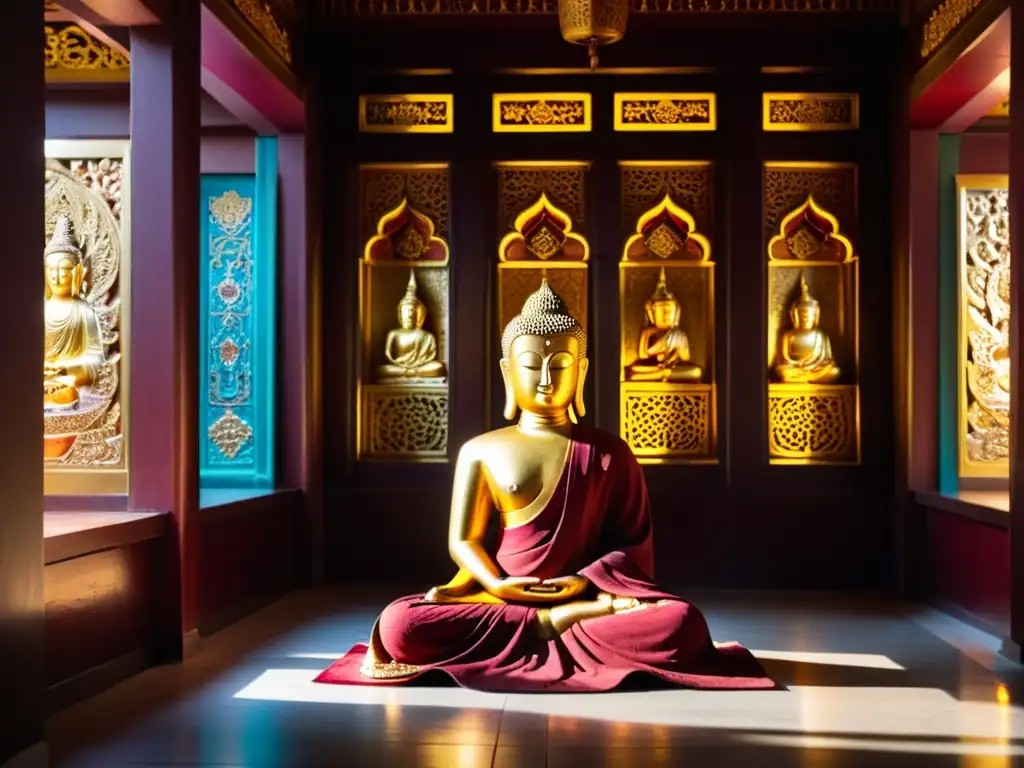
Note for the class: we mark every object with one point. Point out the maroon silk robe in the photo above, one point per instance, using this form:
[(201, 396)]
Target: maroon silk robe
[(597, 524)]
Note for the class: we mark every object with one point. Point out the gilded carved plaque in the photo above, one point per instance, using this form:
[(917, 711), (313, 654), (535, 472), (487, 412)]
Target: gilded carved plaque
[(83, 369), (665, 112), (541, 112), (984, 387), (811, 111), (406, 113), (72, 54)]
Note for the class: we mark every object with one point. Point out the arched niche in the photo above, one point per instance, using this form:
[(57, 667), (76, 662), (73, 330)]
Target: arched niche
[(404, 310), (813, 392), (667, 354)]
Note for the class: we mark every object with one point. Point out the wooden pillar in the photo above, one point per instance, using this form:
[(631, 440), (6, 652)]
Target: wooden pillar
[(1016, 329), (165, 128), (22, 131), (299, 343)]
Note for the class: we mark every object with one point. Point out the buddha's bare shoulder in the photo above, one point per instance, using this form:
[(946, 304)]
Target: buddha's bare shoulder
[(486, 445)]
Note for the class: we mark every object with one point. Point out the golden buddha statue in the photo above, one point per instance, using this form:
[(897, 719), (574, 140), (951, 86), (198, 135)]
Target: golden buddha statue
[(412, 351), (664, 349), (74, 344), (564, 599), (805, 352)]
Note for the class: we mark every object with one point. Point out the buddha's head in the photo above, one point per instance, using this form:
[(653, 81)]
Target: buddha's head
[(663, 310), (412, 312), (544, 358), (63, 261), (806, 312)]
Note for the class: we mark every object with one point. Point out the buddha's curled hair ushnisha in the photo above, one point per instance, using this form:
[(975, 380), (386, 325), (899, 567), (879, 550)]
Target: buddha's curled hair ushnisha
[(544, 313)]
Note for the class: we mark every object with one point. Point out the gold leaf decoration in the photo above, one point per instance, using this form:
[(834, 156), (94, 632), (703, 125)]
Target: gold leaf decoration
[(811, 112), (229, 433), (71, 53), (406, 113), (541, 112), (261, 17), (665, 112), (944, 20)]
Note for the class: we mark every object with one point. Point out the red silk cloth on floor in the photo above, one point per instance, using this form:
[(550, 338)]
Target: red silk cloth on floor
[(596, 524)]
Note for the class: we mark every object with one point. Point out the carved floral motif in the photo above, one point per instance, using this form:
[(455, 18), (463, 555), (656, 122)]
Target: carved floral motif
[(943, 21), (230, 320), (261, 17), (406, 114), (679, 112), (72, 48), (811, 112), (985, 228), (542, 113)]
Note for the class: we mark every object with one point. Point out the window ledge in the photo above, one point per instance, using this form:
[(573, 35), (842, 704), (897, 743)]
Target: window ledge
[(74, 534), (988, 507), (225, 497)]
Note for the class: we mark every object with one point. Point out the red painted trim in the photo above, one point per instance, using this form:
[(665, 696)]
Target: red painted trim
[(967, 77), (237, 71)]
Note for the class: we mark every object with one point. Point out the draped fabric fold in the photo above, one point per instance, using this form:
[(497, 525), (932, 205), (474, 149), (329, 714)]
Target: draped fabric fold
[(596, 524)]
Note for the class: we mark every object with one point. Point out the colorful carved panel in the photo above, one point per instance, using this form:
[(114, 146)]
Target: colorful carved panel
[(812, 356), (73, 55), (404, 299), (667, 366), (542, 112), (237, 304), (406, 113), (86, 266), (520, 184), (665, 112), (984, 315), (543, 243), (811, 112), (833, 185)]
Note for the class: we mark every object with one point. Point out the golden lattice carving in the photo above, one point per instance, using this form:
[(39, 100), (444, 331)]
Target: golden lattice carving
[(541, 112), (811, 112), (813, 423), (832, 185), (261, 16), (984, 224), (944, 20), (230, 433), (72, 53), (406, 113), (405, 422), (665, 112), (689, 185), (520, 186), (668, 421), (425, 187), (547, 7)]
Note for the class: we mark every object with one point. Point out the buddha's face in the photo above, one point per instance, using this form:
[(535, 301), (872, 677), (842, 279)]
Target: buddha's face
[(542, 372), (411, 315), (806, 316), (62, 274), (664, 314)]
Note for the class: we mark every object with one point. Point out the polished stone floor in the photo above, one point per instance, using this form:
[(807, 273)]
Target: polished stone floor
[(869, 684)]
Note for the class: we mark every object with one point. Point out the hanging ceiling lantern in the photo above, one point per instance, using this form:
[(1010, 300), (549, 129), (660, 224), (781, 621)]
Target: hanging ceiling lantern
[(593, 23)]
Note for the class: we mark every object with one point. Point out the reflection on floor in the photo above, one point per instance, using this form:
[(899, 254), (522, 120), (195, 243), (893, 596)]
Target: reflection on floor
[(870, 684)]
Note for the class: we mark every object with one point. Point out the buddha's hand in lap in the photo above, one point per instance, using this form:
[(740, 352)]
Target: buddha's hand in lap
[(568, 587)]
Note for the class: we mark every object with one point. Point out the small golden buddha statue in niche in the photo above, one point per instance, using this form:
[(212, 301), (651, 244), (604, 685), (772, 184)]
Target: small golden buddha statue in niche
[(664, 349), (411, 350), (74, 345), (805, 352)]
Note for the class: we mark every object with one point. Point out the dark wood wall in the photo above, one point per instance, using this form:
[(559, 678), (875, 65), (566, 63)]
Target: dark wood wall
[(741, 522)]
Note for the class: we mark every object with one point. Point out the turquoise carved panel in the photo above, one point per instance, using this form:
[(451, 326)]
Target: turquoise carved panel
[(238, 254)]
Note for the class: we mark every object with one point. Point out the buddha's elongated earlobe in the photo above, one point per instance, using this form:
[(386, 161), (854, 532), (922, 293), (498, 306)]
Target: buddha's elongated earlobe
[(510, 396), (578, 407)]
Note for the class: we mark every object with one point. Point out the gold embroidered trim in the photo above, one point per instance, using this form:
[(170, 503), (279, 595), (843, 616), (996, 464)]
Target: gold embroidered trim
[(387, 671)]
